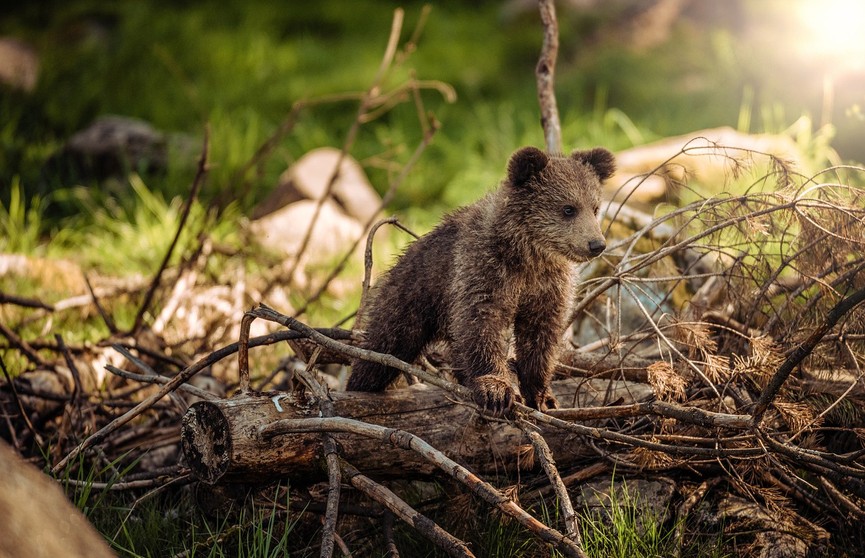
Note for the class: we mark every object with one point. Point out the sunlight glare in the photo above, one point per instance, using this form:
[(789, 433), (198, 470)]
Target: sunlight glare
[(834, 30)]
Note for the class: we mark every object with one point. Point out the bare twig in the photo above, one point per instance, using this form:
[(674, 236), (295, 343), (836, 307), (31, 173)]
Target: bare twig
[(78, 392), (106, 317), (367, 266), (685, 508), (120, 486), (690, 415), (267, 313), (24, 302), (334, 481), (331, 455), (22, 345), (389, 541), (839, 498), (36, 437), (158, 379), (243, 351)]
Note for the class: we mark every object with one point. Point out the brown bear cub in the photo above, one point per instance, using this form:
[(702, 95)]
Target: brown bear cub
[(504, 261)]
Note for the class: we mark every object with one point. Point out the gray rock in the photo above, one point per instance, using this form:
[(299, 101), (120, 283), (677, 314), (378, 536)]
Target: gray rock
[(113, 146)]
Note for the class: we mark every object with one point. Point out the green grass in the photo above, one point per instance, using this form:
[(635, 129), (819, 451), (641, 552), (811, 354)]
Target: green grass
[(21, 222), (622, 528), (164, 523), (625, 527)]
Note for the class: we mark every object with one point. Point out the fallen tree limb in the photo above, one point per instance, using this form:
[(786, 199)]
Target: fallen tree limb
[(545, 455), (220, 440)]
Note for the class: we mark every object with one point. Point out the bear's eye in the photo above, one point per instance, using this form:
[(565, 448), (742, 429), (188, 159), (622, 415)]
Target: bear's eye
[(595, 211), (569, 211)]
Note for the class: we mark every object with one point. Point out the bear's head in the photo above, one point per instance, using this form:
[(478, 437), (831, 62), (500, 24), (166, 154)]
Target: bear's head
[(556, 198)]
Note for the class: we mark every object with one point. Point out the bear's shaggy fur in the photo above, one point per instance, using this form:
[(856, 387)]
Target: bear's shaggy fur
[(504, 261)]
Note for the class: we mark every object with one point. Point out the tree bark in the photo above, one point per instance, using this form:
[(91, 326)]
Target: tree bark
[(222, 439)]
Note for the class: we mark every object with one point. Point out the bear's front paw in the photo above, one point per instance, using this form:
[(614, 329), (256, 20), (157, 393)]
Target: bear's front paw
[(542, 400), (494, 394)]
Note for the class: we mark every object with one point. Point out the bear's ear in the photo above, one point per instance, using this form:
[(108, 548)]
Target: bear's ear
[(602, 161), (526, 163)]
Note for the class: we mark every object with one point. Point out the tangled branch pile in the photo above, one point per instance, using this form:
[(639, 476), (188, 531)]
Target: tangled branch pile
[(722, 341)]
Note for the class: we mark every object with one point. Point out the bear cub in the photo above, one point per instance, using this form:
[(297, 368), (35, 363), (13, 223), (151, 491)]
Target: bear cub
[(503, 262)]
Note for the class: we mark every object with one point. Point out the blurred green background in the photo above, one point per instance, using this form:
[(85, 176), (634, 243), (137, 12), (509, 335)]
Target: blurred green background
[(626, 75)]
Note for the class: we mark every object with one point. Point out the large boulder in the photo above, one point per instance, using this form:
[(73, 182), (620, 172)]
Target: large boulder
[(283, 230), (645, 172), (309, 177), (38, 520)]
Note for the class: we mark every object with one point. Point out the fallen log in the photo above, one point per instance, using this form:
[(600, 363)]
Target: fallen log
[(223, 440)]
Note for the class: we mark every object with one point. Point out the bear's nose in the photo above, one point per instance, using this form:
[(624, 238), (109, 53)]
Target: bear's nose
[(597, 246)]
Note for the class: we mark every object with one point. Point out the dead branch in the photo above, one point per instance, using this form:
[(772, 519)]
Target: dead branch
[(803, 350), (689, 415), (685, 508), (106, 317), (22, 345), (267, 313), (390, 542), (395, 504), (21, 412), (839, 498), (367, 265), (24, 302), (545, 73), (545, 455), (331, 456), (158, 379)]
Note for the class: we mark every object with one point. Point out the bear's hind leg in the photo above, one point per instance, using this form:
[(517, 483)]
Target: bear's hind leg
[(403, 338)]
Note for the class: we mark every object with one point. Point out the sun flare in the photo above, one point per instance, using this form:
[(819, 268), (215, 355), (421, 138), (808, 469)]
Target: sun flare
[(834, 30)]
